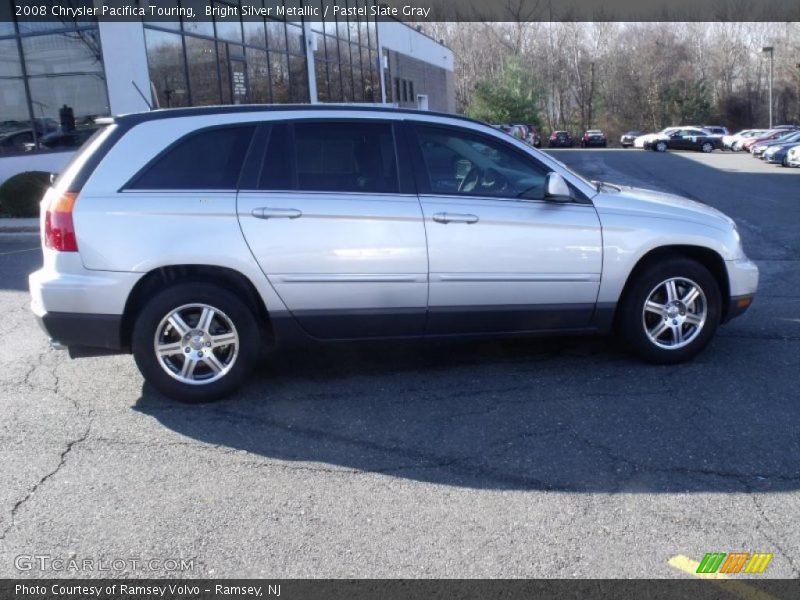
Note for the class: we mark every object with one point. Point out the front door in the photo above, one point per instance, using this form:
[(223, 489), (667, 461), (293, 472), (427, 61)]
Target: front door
[(502, 259), (341, 241)]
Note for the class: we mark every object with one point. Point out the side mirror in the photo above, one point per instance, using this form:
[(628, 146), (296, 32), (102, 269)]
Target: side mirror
[(556, 188)]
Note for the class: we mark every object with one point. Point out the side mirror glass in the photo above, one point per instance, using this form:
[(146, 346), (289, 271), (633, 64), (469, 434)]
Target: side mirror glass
[(556, 188)]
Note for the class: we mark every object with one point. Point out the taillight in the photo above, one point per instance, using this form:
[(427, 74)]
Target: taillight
[(59, 229), (553, 136)]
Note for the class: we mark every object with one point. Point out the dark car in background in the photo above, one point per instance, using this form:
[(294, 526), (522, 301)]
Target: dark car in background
[(776, 151), (594, 137), (16, 141), (627, 138), (561, 139), (66, 139), (686, 138)]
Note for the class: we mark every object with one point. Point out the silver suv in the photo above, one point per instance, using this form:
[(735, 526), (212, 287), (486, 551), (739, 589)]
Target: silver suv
[(190, 237)]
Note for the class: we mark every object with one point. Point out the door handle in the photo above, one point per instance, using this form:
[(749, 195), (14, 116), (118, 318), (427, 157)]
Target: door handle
[(445, 218), (265, 212)]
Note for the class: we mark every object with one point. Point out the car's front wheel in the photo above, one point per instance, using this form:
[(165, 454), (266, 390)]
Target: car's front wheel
[(670, 311), (661, 147), (195, 342), (707, 147)]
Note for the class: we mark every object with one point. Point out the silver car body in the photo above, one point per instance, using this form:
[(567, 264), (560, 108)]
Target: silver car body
[(384, 262)]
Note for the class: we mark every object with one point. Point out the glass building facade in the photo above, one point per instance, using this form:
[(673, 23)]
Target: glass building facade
[(226, 61), (52, 83), (53, 80)]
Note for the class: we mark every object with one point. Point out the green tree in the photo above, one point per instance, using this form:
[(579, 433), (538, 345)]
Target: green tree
[(510, 97), (688, 102)]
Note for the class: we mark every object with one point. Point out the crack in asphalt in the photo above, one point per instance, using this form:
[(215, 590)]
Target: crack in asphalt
[(754, 496), (70, 445), (32, 491)]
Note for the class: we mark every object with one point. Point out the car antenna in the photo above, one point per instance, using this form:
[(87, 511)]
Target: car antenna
[(149, 106)]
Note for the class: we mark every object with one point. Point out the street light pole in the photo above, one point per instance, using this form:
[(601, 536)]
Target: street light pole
[(771, 51)]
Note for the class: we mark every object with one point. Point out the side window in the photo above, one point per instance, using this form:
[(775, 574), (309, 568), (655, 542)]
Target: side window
[(208, 160), (460, 162), (276, 172), (345, 157)]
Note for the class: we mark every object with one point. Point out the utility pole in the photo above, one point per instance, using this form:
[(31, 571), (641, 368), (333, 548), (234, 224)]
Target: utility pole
[(771, 51)]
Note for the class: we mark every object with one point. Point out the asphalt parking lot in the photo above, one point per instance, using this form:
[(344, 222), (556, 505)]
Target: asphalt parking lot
[(542, 458)]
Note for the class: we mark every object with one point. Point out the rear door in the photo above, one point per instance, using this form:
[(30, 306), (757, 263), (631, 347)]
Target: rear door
[(335, 224)]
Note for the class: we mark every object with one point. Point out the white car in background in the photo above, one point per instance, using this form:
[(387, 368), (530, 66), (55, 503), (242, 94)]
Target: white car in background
[(743, 136), (640, 141), (793, 157)]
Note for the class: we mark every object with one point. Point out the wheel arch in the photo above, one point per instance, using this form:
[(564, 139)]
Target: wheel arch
[(707, 257), (162, 277)]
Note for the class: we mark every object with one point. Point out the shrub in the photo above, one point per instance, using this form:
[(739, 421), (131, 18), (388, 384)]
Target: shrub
[(20, 194)]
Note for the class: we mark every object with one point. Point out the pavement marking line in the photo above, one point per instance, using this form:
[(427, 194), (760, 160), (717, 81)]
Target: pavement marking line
[(19, 251), (737, 588)]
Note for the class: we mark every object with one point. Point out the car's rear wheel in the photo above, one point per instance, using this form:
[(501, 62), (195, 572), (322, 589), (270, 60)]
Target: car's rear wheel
[(707, 147), (661, 146), (670, 311), (195, 342)]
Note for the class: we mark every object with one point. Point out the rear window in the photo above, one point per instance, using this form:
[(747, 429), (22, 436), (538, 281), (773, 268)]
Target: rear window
[(80, 166), (207, 160)]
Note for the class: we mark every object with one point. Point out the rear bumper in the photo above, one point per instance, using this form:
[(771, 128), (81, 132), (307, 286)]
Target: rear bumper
[(83, 330)]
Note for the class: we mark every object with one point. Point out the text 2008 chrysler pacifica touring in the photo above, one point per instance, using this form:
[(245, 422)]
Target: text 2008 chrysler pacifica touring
[(192, 236)]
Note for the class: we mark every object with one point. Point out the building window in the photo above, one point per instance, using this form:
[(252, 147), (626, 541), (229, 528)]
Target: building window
[(345, 47), (230, 60), (53, 84)]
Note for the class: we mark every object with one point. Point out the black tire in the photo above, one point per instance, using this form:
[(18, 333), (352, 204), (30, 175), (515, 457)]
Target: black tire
[(660, 146), (631, 322), (160, 305)]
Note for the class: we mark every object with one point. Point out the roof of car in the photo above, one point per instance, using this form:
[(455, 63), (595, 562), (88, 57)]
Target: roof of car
[(172, 113)]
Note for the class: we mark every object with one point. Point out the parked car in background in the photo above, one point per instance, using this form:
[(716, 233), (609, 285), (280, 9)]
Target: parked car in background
[(715, 129), (640, 141), (732, 142), (16, 141), (535, 139), (594, 137), (793, 157), (488, 235), (769, 135), (561, 139), (627, 138), (776, 152), (758, 150), (685, 139), (67, 139)]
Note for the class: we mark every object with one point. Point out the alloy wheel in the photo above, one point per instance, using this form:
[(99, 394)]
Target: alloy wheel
[(196, 344), (674, 313)]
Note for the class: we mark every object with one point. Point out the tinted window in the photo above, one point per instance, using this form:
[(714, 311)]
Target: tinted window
[(209, 160), (276, 173), (458, 162), (345, 157)]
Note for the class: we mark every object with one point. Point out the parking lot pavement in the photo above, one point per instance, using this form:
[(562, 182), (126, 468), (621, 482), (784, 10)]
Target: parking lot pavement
[(543, 458)]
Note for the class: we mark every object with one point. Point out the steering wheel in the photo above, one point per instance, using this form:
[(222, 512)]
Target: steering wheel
[(494, 181), (470, 180)]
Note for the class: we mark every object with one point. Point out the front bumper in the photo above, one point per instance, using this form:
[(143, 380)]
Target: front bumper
[(743, 284)]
